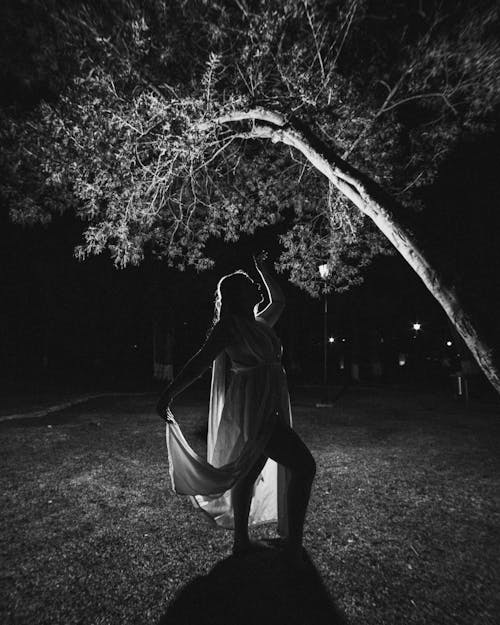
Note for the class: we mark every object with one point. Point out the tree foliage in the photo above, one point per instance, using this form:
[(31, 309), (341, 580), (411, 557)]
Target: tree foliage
[(119, 97)]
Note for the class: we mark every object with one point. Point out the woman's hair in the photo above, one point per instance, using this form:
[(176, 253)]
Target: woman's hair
[(228, 294)]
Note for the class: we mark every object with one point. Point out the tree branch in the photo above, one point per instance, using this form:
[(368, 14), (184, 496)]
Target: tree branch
[(345, 182), (419, 97), (352, 12), (261, 114), (318, 51)]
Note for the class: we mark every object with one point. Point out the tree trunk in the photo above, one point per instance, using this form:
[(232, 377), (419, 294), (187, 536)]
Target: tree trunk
[(372, 200)]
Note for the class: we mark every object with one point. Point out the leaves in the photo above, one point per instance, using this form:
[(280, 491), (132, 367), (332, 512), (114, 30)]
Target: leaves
[(116, 135)]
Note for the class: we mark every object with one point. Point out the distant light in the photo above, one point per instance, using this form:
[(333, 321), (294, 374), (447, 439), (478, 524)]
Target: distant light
[(331, 339), (402, 360), (343, 340), (449, 343), (417, 326), (324, 271)]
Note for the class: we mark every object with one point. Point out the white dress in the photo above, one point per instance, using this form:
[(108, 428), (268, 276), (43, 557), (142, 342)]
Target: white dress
[(246, 401)]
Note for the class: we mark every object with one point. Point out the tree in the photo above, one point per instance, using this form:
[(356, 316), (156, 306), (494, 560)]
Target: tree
[(159, 126)]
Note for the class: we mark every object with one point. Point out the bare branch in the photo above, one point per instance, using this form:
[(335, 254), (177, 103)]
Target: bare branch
[(261, 114), (242, 7), (318, 51), (410, 184), (382, 109), (421, 96), (345, 182), (351, 17), (250, 88), (216, 154)]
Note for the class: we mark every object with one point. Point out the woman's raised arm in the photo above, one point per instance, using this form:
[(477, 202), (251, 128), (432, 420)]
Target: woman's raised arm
[(218, 339), (272, 312)]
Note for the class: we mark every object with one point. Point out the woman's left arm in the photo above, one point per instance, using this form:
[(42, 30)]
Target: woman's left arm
[(217, 341), (272, 312)]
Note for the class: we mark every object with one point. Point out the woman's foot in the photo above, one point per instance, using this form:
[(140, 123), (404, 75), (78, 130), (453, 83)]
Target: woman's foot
[(294, 555), (249, 546), (280, 543)]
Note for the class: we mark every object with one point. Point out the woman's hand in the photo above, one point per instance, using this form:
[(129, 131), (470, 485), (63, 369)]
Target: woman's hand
[(163, 406), (260, 259)]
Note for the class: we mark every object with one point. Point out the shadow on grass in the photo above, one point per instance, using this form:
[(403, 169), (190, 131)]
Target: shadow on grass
[(257, 588)]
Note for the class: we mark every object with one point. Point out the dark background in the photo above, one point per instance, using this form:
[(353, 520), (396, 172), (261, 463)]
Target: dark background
[(90, 325), (63, 322)]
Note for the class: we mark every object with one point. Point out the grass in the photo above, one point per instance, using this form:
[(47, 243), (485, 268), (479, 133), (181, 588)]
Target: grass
[(403, 524)]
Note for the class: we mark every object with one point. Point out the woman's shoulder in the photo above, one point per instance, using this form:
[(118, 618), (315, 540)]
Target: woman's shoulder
[(237, 326), (221, 335), (263, 321), (223, 324), (227, 326)]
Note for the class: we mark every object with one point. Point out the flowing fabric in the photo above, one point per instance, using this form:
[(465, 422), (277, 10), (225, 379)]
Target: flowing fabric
[(247, 399)]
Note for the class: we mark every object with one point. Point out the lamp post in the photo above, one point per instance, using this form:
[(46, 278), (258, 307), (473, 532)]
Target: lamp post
[(324, 272), (416, 365)]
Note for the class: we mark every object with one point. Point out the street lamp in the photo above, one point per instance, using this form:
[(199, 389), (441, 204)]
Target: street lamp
[(324, 272), (417, 348)]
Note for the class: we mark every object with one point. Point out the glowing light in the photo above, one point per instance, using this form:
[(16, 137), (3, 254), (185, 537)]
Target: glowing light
[(324, 271), (331, 339), (417, 326), (402, 360), (449, 343)]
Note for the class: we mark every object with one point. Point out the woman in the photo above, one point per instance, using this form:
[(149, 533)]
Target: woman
[(249, 422)]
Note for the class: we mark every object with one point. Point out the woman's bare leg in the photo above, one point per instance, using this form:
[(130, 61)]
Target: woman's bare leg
[(287, 448), (241, 495)]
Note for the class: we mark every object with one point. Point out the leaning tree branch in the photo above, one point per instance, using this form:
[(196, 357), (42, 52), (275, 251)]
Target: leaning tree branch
[(255, 114), (383, 210), (281, 131), (339, 177)]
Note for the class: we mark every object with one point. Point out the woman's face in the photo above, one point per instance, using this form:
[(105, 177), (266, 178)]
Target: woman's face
[(251, 292)]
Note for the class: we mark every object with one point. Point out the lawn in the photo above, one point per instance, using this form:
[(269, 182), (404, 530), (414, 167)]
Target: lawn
[(403, 524)]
